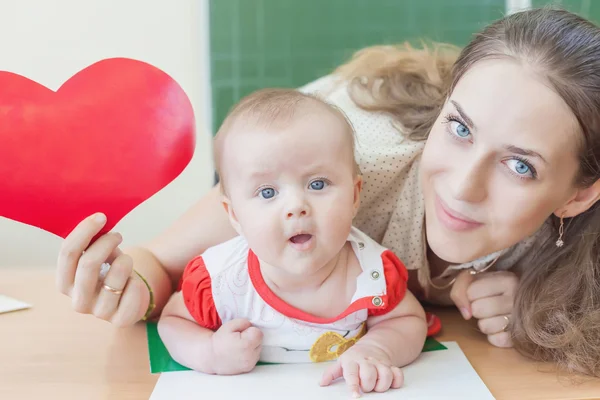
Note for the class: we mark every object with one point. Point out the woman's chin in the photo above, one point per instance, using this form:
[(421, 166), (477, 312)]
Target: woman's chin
[(452, 251)]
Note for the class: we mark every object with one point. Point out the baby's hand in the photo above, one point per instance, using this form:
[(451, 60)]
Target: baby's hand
[(365, 367), (236, 347)]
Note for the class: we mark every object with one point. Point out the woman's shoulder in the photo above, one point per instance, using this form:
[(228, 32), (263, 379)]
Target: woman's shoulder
[(323, 86), (379, 136), (337, 91)]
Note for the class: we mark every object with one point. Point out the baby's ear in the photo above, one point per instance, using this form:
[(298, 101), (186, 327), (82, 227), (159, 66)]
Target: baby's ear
[(357, 189), (231, 213)]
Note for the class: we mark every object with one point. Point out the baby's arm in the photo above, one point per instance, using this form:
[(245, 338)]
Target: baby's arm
[(400, 333), (393, 340), (233, 349)]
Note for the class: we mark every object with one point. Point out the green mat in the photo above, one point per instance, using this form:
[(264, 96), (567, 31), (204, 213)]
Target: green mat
[(161, 361)]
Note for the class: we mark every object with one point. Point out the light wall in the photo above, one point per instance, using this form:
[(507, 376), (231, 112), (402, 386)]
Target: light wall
[(48, 41)]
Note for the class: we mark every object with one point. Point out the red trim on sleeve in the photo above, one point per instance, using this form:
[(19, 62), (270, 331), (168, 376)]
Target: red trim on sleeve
[(396, 278), (290, 311), (196, 288)]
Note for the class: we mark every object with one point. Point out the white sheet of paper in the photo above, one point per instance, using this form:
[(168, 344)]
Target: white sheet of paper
[(9, 304), (444, 374)]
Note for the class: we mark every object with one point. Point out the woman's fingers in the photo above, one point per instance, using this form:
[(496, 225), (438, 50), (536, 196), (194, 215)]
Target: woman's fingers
[(493, 325), (88, 270), (72, 248), (493, 284), (502, 339), (125, 298), (488, 297), (116, 279), (133, 303), (492, 306), (458, 293)]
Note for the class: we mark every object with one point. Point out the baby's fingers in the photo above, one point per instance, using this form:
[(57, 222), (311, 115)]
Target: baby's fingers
[(398, 380), (252, 337), (331, 374), (385, 377), (350, 372), (368, 376)]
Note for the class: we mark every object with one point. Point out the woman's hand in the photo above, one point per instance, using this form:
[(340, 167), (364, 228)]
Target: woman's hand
[(121, 298), (488, 297)]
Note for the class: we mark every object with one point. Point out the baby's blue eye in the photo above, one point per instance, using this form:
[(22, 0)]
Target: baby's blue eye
[(461, 130), (267, 193), (317, 185)]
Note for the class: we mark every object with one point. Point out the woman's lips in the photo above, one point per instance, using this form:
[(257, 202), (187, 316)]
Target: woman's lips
[(453, 220)]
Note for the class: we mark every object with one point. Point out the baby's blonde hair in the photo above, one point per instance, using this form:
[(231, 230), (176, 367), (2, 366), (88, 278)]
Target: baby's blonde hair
[(273, 107)]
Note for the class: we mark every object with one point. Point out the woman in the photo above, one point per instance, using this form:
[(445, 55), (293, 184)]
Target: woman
[(486, 160)]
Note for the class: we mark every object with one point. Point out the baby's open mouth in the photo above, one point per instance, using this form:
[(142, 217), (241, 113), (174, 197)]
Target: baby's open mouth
[(300, 239), (302, 242)]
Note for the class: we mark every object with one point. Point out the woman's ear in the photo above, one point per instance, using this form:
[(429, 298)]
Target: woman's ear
[(231, 213), (357, 189), (581, 202)]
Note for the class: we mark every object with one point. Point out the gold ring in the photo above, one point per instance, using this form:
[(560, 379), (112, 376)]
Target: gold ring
[(111, 289), (507, 323)]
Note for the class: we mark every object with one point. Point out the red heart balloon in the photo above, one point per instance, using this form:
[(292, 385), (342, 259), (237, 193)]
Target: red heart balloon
[(109, 138)]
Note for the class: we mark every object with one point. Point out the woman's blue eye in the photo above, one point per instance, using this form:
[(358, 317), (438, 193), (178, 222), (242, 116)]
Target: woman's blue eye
[(267, 193), (521, 168), (317, 185), (460, 129)]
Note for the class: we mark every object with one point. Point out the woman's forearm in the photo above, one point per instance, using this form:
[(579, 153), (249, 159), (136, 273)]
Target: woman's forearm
[(204, 225), (162, 261), (147, 265)]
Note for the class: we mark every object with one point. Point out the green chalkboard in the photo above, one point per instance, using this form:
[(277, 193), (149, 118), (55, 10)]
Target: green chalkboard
[(287, 43), (586, 8)]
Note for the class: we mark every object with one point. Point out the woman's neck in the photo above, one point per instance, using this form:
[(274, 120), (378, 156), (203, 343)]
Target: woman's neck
[(436, 265)]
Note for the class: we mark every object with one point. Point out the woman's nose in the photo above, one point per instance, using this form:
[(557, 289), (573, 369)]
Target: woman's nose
[(469, 182)]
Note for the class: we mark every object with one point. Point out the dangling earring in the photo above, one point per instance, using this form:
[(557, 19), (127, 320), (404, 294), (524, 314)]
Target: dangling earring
[(561, 231)]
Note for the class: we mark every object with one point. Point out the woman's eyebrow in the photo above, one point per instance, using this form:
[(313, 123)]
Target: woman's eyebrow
[(464, 115), (511, 148), (525, 152)]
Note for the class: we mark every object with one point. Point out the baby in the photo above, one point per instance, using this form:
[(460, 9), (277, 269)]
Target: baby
[(299, 283)]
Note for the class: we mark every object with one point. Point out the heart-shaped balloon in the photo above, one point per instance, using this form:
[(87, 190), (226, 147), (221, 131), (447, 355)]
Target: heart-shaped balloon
[(109, 138)]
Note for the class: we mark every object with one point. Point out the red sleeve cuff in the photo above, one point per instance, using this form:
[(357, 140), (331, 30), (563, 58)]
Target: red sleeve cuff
[(196, 287), (396, 278)]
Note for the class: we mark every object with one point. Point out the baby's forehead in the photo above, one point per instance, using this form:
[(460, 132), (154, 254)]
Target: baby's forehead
[(260, 133), (304, 120)]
